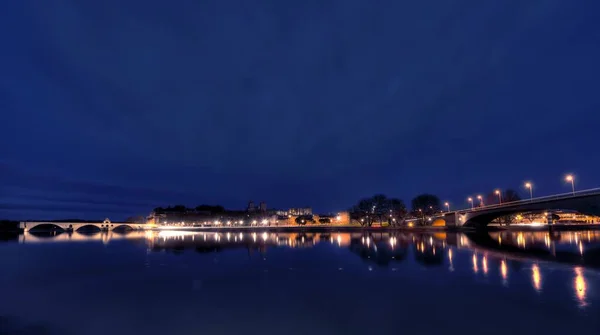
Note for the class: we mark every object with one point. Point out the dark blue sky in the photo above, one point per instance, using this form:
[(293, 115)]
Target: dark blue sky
[(112, 107)]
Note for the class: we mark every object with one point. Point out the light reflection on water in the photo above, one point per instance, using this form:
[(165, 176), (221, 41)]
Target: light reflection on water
[(559, 269)]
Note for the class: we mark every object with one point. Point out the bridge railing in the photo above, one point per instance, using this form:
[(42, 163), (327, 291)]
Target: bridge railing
[(535, 200)]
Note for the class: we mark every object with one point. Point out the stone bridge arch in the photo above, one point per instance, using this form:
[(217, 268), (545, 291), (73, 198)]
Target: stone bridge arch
[(122, 226), (44, 227), (89, 227)]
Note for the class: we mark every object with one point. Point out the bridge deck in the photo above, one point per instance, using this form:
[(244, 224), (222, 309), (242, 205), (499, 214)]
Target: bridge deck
[(563, 196)]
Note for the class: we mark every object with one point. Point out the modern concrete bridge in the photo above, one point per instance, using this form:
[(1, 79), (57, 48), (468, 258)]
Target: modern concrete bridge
[(106, 225), (584, 202)]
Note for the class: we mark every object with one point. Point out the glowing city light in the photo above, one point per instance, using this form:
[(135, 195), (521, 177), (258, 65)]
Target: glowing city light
[(569, 178), (484, 265), (529, 186), (536, 277), (580, 286)]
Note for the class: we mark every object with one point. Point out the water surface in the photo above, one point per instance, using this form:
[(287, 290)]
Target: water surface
[(301, 283)]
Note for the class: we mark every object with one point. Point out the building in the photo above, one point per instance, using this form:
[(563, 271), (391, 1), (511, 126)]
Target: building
[(252, 215), (300, 211)]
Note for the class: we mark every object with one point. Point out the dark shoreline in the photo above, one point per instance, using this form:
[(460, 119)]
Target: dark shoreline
[(404, 229)]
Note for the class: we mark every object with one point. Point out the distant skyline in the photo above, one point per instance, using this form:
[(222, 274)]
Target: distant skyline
[(112, 108)]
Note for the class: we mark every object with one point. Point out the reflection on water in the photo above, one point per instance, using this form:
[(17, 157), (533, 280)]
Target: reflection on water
[(520, 272), (580, 286), (536, 277), (492, 255), (504, 272)]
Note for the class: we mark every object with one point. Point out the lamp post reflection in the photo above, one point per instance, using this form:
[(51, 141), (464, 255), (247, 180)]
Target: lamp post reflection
[(536, 277), (450, 259), (580, 286), (484, 265), (504, 272), (475, 268)]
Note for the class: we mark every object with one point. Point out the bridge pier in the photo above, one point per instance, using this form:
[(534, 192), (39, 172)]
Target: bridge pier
[(451, 219)]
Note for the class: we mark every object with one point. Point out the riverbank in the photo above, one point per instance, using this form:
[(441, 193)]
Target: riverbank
[(7, 227), (333, 228), (315, 228)]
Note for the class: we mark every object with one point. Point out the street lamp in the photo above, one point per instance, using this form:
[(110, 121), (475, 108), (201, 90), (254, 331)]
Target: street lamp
[(447, 206), (471, 201), (530, 187), (499, 195), (480, 200), (571, 179)]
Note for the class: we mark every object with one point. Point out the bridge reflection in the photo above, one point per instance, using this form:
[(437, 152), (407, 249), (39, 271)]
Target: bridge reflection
[(77, 236)]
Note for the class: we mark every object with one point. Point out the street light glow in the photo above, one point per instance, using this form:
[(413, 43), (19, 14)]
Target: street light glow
[(499, 196), (571, 179), (530, 187)]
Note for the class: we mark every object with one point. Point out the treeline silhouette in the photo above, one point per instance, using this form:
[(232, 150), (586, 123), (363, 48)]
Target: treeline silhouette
[(185, 209)]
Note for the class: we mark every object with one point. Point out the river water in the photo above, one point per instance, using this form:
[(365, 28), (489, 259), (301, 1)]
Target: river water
[(174, 282)]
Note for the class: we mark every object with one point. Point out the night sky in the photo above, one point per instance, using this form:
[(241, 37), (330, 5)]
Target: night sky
[(110, 108)]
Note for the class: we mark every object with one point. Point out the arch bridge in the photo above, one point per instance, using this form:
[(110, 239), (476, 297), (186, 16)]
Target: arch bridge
[(585, 202), (105, 225)]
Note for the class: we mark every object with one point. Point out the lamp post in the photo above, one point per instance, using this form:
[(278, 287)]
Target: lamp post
[(499, 194), (480, 198), (530, 187), (471, 201), (571, 179), (447, 206)]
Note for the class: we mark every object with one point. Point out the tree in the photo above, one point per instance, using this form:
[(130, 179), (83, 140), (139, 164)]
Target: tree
[(209, 208), (378, 208), (304, 219), (510, 195), (427, 203), (136, 219), (179, 209)]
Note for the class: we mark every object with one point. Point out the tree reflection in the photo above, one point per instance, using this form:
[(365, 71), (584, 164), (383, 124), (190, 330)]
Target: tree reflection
[(430, 256), (379, 250)]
